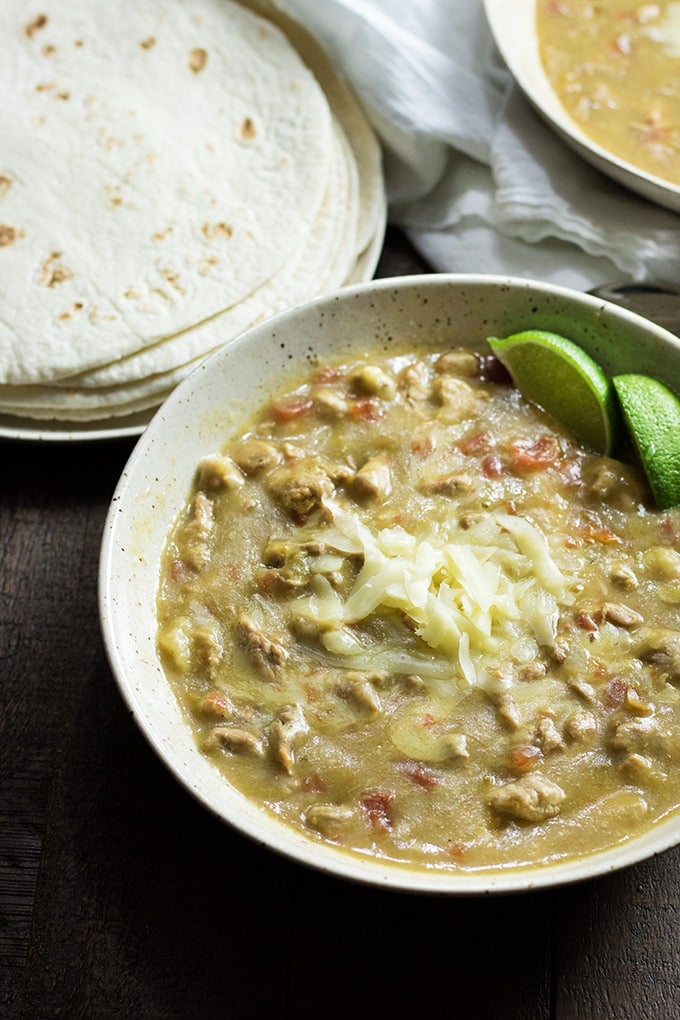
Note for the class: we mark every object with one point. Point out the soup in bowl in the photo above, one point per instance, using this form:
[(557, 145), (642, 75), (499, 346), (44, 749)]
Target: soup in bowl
[(380, 612)]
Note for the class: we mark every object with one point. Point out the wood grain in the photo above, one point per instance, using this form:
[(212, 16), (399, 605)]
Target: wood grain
[(121, 897)]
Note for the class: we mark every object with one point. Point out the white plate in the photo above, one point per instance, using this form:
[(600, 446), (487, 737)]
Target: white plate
[(210, 405), (513, 26), (34, 430)]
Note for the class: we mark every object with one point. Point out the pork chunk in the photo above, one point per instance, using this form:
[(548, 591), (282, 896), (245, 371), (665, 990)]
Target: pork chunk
[(660, 647), (219, 472), (533, 798), (581, 726), (460, 362), (284, 732), (457, 398), (301, 486), (267, 656), (234, 739), (255, 455), (639, 736), (196, 533), (328, 819), (373, 480)]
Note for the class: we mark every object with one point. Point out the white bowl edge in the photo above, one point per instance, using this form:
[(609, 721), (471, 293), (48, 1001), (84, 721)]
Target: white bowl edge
[(156, 481)]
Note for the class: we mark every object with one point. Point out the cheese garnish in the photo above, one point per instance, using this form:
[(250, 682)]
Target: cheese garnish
[(466, 592)]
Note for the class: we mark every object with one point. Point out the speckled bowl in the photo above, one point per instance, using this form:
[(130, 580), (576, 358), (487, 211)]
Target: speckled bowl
[(209, 406), (517, 41)]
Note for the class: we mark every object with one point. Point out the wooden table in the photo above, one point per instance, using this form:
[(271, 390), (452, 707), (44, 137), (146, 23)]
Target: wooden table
[(121, 897)]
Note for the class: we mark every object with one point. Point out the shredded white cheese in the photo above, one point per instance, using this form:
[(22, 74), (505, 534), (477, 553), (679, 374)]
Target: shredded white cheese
[(466, 592)]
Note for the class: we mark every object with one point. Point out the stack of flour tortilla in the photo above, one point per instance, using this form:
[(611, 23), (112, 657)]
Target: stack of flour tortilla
[(171, 173)]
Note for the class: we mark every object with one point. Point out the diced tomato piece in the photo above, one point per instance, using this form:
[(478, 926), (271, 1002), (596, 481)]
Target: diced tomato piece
[(586, 622), (603, 535), (492, 466), (289, 410), (456, 850), (528, 456), (378, 805), (423, 447), (525, 759), (366, 410), (570, 470), (421, 776), (477, 442)]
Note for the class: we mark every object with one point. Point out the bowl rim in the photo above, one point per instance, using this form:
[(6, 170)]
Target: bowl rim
[(264, 829)]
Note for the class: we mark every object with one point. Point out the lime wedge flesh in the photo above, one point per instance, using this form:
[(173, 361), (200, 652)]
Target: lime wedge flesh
[(652, 414), (566, 382)]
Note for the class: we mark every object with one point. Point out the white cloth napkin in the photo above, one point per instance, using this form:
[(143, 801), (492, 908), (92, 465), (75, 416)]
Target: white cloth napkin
[(475, 177)]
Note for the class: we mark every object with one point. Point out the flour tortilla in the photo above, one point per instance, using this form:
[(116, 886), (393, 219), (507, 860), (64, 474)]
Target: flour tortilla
[(361, 136), (87, 415), (322, 263), (161, 162)]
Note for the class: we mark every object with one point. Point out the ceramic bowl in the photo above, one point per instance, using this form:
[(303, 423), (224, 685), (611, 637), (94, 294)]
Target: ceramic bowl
[(516, 38), (210, 405)]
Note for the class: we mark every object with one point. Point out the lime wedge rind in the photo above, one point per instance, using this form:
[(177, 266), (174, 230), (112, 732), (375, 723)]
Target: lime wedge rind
[(651, 412), (563, 379)]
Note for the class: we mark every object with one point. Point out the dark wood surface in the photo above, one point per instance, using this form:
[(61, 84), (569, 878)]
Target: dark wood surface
[(121, 897)]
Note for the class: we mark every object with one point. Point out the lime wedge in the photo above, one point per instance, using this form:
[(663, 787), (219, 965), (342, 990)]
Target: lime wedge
[(652, 413), (566, 382)]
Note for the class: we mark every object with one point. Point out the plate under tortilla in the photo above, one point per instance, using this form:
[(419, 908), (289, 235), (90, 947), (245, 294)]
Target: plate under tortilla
[(35, 430)]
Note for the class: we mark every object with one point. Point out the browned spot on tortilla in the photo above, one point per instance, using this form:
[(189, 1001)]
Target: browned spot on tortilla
[(78, 43), (37, 23), (48, 50), (5, 185), (172, 277), (116, 200), (70, 312), (197, 59), (148, 44), (205, 265), (248, 130), (213, 230), (131, 294), (8, 235), (54, 271), (49, 86), (160, 235)]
